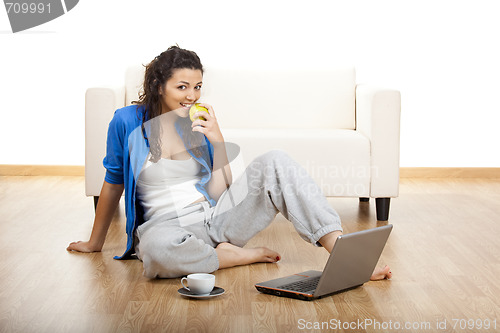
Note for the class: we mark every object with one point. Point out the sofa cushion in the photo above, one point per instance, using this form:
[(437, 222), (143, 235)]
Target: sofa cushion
[(338, 160)]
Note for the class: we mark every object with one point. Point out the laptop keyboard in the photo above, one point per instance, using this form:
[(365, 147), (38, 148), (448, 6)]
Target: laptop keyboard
[(302, 285)]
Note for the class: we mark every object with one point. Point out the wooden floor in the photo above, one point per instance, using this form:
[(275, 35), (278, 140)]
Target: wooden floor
[(444, 252)]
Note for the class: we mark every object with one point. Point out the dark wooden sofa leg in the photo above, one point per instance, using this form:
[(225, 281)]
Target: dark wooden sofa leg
[(364, 199), (96, 199), (382, 205)]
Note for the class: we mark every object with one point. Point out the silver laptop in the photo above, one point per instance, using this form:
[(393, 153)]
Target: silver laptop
[(351, 264)]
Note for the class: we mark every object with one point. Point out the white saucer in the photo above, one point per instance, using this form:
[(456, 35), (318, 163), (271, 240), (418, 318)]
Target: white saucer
[(217, 291)]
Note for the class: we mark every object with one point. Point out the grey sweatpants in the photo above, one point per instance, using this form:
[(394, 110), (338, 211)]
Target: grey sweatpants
[(173, 246)]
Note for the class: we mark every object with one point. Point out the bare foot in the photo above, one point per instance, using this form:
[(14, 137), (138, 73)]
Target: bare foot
[(231, 255), (381, 273)]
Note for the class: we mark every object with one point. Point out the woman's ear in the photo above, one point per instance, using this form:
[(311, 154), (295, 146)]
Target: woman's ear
[(160, 89)]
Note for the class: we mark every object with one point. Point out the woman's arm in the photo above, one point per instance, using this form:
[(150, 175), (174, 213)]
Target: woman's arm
[(221, 172), (106, 207)]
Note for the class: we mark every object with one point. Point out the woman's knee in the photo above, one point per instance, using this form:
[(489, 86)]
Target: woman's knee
[(176, 258), (275, 155), (158, 260), (157, 267), (273, 158)]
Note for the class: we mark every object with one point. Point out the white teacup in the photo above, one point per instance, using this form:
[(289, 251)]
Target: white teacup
[(199, 283)]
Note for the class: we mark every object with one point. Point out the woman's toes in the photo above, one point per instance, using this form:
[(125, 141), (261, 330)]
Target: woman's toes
[(381, 273), (268, 255)]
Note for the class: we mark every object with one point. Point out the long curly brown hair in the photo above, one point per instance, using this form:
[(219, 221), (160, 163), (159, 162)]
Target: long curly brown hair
[(157, 73)]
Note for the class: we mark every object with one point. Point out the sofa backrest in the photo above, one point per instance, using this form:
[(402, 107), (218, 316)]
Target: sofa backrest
[(274, 98)]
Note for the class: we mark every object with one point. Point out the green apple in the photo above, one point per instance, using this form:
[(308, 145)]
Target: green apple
[(196, 108)]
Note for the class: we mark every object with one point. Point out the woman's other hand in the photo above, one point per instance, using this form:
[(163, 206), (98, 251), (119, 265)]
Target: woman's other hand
[(82, 247), (106, 207)]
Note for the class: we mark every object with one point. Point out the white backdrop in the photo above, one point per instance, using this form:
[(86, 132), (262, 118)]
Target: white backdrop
[(442, 56)]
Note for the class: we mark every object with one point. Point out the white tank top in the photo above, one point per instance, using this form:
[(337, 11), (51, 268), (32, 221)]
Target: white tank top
[(168, 186)]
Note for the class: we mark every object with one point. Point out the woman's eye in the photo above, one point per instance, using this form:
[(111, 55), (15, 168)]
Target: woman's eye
[(198, 88), (181, 87)]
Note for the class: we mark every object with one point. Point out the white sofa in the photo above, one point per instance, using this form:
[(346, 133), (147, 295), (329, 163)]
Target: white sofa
[(345, 135)]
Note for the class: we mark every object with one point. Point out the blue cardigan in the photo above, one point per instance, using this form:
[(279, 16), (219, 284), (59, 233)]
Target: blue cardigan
[(126, 152)]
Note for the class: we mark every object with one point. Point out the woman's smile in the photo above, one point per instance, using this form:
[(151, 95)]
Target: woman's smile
[(186, 105)]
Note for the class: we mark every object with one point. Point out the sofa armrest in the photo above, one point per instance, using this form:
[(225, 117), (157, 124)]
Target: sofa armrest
[(100, 105), (378, 113)]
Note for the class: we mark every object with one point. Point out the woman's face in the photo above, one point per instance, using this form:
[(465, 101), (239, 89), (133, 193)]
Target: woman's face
[(181, 91)]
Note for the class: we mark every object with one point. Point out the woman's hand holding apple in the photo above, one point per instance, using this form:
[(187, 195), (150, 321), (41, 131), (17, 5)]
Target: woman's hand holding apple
[(205, 122)]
